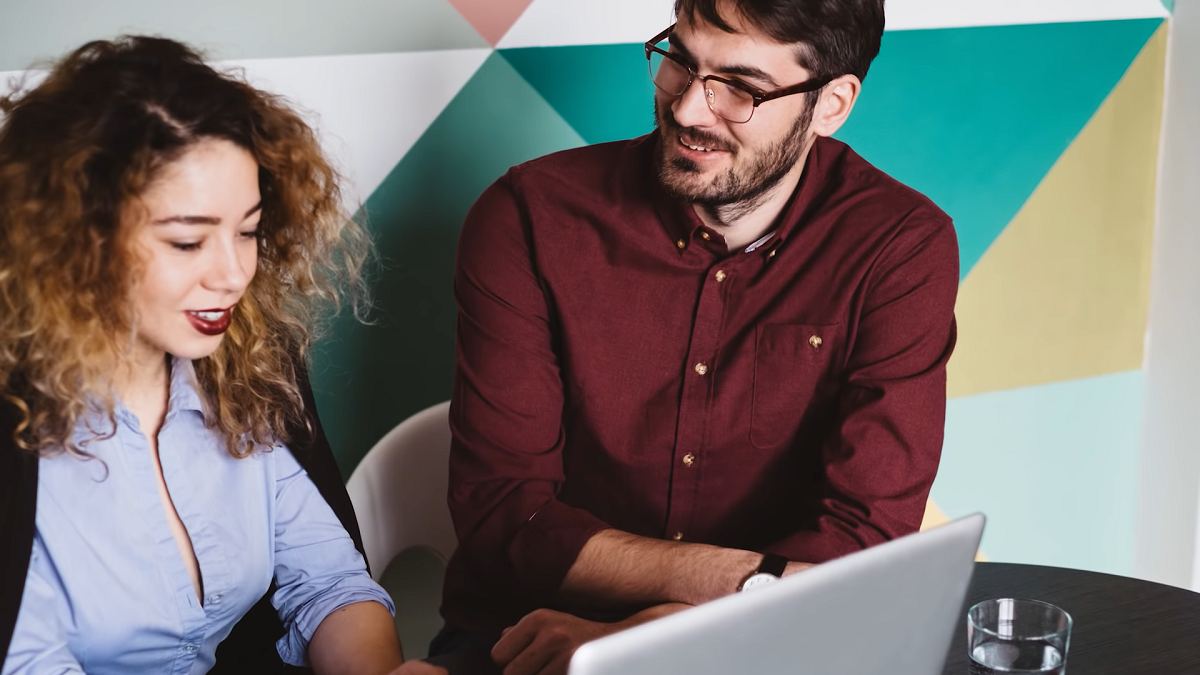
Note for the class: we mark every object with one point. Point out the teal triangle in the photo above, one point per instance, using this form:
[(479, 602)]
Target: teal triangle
[(973, 117), (1169, 4), (603, 91), (976, 117), (369, 378)]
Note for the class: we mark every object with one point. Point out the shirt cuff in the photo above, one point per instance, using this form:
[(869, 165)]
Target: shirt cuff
[(546, 547), (293, 646)]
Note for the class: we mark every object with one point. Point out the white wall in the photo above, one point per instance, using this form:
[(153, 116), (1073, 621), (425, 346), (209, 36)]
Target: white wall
[(1170, 465)]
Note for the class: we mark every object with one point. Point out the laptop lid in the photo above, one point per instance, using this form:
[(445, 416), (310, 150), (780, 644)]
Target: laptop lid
[(892, 609)]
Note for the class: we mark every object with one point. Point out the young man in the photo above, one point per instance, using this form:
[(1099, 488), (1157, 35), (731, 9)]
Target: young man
[(699, 359)]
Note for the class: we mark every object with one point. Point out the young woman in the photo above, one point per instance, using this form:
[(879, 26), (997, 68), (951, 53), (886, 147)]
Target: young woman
[(169, 237)]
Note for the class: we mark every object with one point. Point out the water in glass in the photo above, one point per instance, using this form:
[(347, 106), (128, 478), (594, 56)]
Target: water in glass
[(1023, 656)]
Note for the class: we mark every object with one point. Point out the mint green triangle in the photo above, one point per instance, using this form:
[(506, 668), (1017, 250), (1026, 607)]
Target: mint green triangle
[(1073, 445), (973, 117), (369, 378), (976, 117), (1169, 4)]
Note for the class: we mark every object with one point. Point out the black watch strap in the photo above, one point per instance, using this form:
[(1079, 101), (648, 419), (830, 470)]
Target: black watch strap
[(772, 564)]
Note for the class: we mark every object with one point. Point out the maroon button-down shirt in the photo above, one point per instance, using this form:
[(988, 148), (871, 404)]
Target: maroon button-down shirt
[(619, 367)]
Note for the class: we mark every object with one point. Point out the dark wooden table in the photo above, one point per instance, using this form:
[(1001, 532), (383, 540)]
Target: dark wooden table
[(1122, 625)]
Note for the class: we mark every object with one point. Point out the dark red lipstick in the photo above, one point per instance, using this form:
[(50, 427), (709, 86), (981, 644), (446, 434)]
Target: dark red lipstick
[(210, 321)]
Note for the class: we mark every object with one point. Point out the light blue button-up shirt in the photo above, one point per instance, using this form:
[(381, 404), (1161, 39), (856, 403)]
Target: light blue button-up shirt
[(107, 590)]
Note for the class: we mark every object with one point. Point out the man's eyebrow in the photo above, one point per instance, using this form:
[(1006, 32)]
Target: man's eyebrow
[(203, 220), (750, 72), (680, 47), (744, 71)]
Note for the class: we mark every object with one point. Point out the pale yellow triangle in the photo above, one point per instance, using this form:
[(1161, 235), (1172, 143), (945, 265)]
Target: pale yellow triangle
[(934, 516), (1063, 292)]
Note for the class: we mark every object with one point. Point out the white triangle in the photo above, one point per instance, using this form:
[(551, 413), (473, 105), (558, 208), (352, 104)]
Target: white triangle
[(570, 22), (369, 109), (914, 14)]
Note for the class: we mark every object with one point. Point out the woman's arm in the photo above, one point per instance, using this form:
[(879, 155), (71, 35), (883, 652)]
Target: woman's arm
[(39, 641), (358, 638), (338, 620)]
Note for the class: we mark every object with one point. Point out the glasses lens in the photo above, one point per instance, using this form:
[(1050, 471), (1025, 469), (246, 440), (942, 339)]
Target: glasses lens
[(667, 74), (729, 102)]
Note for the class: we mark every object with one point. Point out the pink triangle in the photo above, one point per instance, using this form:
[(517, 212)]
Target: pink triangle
[(492, 18)]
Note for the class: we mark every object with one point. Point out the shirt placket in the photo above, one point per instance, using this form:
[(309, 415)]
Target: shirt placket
[(699, 378), (192, 620), (214, 565)]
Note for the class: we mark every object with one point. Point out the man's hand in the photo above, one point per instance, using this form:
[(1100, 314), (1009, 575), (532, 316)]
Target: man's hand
[(794, 567), (544, 640)]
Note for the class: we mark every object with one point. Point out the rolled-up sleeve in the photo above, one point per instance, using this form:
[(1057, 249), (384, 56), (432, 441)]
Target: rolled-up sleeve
[(39, 641), (317, 568), (506, 462)]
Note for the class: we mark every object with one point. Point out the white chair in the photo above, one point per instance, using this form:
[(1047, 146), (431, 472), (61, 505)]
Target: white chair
[(399, 496)]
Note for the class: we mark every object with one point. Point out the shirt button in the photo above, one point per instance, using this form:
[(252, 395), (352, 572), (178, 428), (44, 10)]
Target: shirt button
[(689, 459), (680, 244), (677, 536), (771, 254), (815, 341), (214, 599), (701, 368), (705, 236), (189, 648), (720, 276)]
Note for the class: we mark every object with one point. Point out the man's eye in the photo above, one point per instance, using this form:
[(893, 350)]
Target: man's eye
[(744, 88)]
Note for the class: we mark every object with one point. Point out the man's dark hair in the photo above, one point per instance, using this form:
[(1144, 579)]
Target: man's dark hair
[(835, 37)]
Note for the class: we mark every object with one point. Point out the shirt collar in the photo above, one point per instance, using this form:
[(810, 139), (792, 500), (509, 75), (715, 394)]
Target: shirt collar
[(185, 388), (183, 395), (684, 226)]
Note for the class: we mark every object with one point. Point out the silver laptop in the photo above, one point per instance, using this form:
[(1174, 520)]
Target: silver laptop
[(889, 610)]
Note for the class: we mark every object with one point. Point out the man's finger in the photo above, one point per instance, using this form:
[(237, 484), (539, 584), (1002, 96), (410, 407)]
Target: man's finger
[(512, 641), (532, 659), (557, 665)]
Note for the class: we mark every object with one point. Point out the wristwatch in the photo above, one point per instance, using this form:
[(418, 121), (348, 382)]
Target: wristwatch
[(769, 571)]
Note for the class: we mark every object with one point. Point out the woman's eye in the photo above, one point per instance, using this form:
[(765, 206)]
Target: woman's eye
[(185, 245), (252, 234)]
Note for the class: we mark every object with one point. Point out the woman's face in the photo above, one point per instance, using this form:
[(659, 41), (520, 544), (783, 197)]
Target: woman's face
[(199, 249)]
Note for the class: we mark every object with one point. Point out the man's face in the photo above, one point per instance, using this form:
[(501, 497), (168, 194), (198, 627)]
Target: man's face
[(706, 159)]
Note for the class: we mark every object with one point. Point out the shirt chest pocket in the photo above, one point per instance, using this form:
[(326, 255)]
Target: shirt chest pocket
[(792, 364)]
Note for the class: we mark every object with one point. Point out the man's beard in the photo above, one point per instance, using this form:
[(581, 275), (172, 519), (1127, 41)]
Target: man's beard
[(738, 189)]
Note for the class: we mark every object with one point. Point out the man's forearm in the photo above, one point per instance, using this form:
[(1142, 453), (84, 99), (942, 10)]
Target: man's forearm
[(617, 568)]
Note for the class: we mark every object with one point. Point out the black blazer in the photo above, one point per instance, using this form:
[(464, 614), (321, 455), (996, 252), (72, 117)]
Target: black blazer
[(250, 648)]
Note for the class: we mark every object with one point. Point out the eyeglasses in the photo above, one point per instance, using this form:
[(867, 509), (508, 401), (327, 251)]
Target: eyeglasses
[(731, 100)]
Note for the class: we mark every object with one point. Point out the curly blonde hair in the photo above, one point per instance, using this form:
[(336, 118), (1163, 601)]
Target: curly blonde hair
[(75, 153)]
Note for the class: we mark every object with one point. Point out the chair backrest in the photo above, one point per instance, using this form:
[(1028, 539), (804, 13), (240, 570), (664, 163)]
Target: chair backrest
[(399, 490)]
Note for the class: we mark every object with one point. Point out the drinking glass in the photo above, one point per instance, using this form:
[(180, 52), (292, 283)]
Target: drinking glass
[(1008, 635)]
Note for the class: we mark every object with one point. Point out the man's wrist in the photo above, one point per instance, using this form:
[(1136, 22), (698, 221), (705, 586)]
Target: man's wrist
[(704, 572), (769, 570)]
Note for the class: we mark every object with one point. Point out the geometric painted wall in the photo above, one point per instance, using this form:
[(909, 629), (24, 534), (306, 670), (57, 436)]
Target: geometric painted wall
[(1033, 123)]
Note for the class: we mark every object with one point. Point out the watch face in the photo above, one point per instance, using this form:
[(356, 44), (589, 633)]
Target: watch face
[(759, 581)]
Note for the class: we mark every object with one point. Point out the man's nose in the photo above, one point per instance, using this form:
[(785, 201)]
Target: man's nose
[(691, 108)]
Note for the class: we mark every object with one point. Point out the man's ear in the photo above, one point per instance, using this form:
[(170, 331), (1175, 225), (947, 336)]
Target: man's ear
[(834, 105)]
